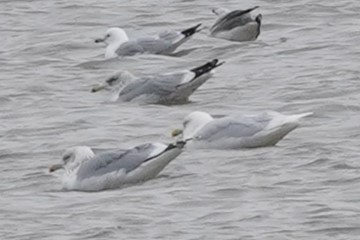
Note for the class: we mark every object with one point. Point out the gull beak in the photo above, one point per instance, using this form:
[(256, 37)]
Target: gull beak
[(97, 88), (55, 167), (99, 40), (176, 132)]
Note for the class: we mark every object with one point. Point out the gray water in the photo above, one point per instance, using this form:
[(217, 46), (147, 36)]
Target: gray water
[(306, 59)]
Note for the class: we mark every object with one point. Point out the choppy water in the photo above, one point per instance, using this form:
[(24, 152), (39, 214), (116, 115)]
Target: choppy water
[(306, 59)]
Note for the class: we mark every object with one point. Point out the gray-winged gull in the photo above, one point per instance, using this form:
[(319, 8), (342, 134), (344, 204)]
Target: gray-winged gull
[(236, 25), (242, 131), (118, 43), (86, 171), (168, 88)]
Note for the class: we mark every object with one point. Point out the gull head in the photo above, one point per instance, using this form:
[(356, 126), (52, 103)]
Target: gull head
[(72, 158), (116, 81), (114, 37), (192, 124)]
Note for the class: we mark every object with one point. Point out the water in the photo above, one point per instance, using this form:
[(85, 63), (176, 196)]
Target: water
[(306, 59)]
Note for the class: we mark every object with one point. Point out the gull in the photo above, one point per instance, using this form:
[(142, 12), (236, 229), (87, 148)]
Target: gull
[(165, 88), (118, 43), (85, 171), (237, 25), (241, 131)]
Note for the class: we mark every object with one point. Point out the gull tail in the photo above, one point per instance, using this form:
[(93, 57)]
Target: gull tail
[(249, 10), (294, 119), (206, 67), (258, 19), (279, 120), (239, 13), (180, 144), (191, 31), (297, 117)]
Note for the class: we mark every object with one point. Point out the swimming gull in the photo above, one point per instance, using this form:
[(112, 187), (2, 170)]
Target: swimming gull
[(86, 171), (236, 25), (168, 88), (118, 43), (242, 131)]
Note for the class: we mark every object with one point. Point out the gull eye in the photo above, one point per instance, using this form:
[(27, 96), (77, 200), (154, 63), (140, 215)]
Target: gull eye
[(111, 80), (66, 158), (186, 122), (107, 35)]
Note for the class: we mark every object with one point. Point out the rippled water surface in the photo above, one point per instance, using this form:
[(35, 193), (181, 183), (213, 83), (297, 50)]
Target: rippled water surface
[(306, 59)]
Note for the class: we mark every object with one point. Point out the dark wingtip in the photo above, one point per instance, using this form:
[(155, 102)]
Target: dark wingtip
[(249, 10), (258, 19), (181, 144), (169, 147), (190, 31), (215, 63), (207, 67), (178, 144), (212, 64)]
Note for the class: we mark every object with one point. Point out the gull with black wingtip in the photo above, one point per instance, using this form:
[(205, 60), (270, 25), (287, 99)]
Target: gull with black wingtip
[(118, 43), (85, 171), (237, 25), (167, 89)]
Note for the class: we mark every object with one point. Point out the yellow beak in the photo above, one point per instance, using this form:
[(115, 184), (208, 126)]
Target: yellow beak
[(176, 132), (55, 167), (97, 88)]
